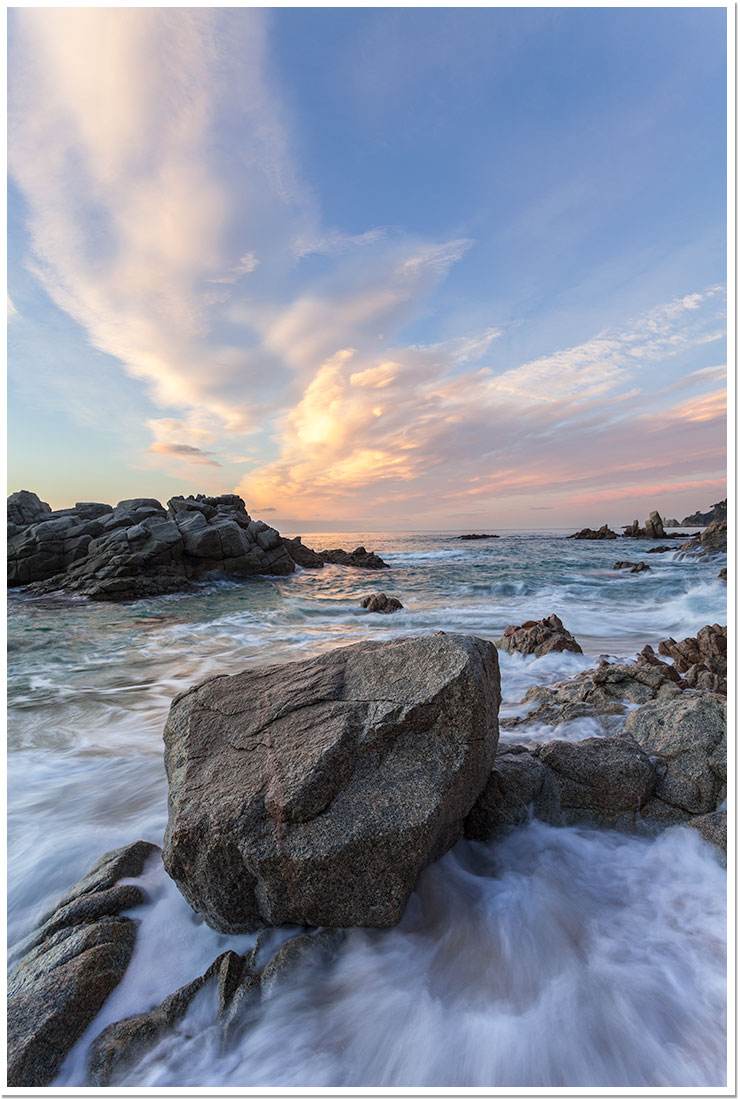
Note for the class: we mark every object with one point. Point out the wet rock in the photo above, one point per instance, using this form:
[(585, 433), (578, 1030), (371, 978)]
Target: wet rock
[(722, 575), (600, 780), (315, 792), (687, 740), (604, 532), (302, 555), (471, 538), (712, 540), (538, 637), (716, 513), (519, 786), (360, 558), (633, 566), (381, 603), (701, 660), (660, 549), (713, 827), (70, 965)]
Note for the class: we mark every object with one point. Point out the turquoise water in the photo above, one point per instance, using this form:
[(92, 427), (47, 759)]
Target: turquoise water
[(88, 692)]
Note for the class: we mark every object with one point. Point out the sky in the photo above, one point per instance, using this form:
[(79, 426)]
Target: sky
[(370, 268)]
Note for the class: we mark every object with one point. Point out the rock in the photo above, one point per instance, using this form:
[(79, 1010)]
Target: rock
[(70, 965), (712, 540), (360, 558), (660, 549), (602, 781), (24, 508), (687, 741), (470, 538), (379, 602), (588, 533), (717, 512), (654, 526), (702, 660), (633, 566), (713, 827), (302, 555), (520, 785), (722, 575), (540, 637), (315, 792), (671, 523)]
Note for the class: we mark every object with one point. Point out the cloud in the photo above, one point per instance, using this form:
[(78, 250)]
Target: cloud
[(12, 311), (184, 450)]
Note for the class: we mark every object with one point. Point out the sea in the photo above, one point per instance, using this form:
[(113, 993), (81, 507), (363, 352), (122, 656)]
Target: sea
[(551, 958)]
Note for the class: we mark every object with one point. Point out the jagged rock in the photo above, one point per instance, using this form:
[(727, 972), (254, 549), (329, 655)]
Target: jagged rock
[(24, 508), (588, 533), (671, 523), (70, 965), (712, 540), (360, 558), (717, 512), (238, 983), (381, 603), (471, 538), (302, 555), (538, 637), (315, 792), (687, 740), (633, 566), (518, 786), (138, 549), (654, 526), (701, 660), (602, 781)]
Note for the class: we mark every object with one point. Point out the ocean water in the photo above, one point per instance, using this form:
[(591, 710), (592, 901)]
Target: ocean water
[(554, 957)]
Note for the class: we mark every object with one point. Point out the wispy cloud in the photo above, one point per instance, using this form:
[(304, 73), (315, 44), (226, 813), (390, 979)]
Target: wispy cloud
[(184, 450)]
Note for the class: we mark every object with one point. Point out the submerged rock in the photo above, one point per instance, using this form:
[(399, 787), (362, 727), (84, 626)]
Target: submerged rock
[(381, 603), (315, 792), (633, 566), (471, 538), (302, 555), (538, 637), (604, 532), (70, 965)]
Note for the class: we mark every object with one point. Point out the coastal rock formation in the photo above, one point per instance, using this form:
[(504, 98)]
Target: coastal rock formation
[(238, 984), (315, 792), (519, 786), (604, 532), (599, 779), (360, 558), (472, 538), (712, 540), (24, 508), (538, 637), (633, 566), (302, 555), (139, 549), (671, 523), (653, 529), (716, 513), (381, 603), (702, 660), (70, 965)]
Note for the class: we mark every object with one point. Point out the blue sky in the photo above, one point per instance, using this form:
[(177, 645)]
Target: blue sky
[(370, 267)]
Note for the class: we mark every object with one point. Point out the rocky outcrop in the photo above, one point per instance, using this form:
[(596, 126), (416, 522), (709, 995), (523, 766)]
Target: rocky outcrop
[(660, 549), (716, 513), (604, 532), (70, 965), (472, 538), (360, 558), (381, 603), (238, 984), (702, 661), (315, 792), (138, 549), (686, 739), (302, 555), (24, 508), (633, 566), (671, 523), (653, 529), (712, 540), (539, 637)]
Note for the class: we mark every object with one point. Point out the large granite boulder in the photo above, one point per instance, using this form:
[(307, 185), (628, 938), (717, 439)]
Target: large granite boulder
[(702, 661), (538, 637), (315, 792), (686, 739), (70, 965), (519, 787)]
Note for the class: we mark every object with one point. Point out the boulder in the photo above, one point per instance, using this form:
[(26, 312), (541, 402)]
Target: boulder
[(315, 792), (381, 603), (600, 780), (633, 566), (360, 558), (472, 538), (604, 532), (712, 540), (519, 786), (686, 739), (713, 827), (671, 523), (70, 965), (660, 549), (302, 555), (701, 660), (24, 508), (538, 637), (654, 526), (722, 575)]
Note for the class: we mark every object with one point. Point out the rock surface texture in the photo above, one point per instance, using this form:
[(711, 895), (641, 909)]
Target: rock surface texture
[(315, 792), (70, 965), (381, 603), (539, 637), (139, 549), (702, 661)]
